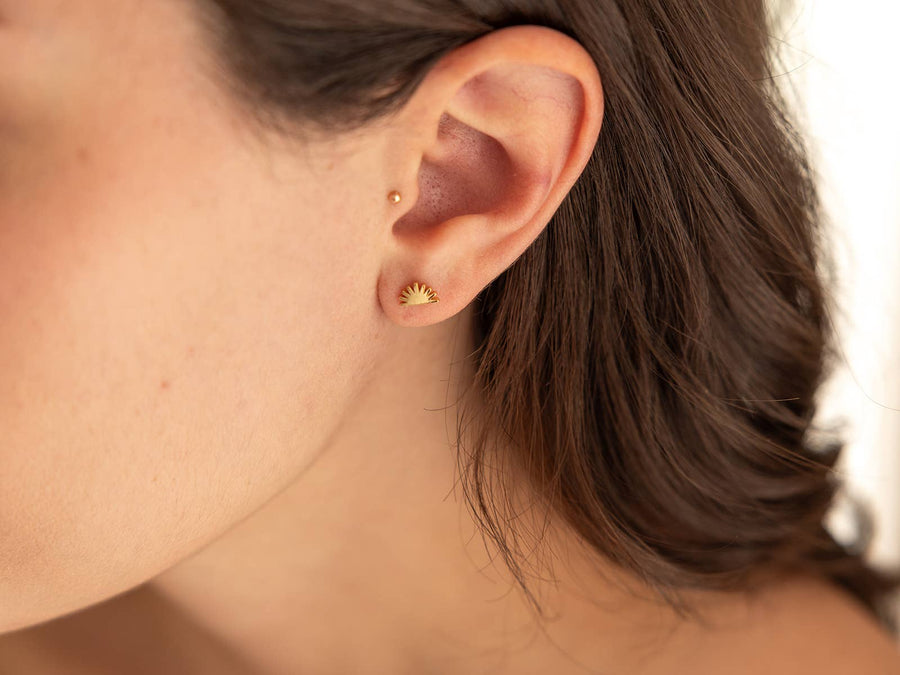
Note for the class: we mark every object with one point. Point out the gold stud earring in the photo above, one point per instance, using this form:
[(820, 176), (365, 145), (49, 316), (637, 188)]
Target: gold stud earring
[(393, 196), (418, 295)]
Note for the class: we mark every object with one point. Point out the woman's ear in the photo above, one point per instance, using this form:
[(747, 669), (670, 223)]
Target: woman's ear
[(482, 155)]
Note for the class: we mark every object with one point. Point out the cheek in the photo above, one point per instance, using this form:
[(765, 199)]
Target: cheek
[(168, 359)]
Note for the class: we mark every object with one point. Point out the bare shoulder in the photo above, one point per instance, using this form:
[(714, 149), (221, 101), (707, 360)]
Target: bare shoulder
[(795, 627), (827, 629)]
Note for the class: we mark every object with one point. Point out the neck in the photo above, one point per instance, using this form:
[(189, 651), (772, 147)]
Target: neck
[(370, 562)]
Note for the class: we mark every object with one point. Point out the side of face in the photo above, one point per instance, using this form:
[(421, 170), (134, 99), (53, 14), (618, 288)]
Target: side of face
[(183, 310)]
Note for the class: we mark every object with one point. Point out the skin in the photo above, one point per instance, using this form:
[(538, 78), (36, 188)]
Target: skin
[(223, 433)]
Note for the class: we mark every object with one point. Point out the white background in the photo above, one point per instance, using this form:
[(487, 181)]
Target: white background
[(843, 60)]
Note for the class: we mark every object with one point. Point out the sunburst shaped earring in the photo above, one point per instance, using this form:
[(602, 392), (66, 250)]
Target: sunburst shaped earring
[(418, 295)]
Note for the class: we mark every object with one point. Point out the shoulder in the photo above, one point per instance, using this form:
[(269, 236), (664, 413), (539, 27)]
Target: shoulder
[(795, 627), (816, 627)]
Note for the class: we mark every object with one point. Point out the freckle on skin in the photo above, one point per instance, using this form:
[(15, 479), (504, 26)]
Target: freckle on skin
[(81, 153), (164, 384)]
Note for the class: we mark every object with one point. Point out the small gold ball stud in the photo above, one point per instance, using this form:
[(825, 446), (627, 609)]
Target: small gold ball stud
[(394, 196)]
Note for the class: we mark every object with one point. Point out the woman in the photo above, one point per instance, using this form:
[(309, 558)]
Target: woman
[(407, 336)]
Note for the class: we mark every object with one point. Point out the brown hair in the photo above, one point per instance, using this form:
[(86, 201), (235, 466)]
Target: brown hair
[(655, 355)]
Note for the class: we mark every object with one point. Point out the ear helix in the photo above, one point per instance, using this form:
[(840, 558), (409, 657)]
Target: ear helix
[(416, 294)]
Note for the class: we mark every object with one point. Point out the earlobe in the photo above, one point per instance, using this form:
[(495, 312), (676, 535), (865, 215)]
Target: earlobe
[(496, 135), (416, 294)]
